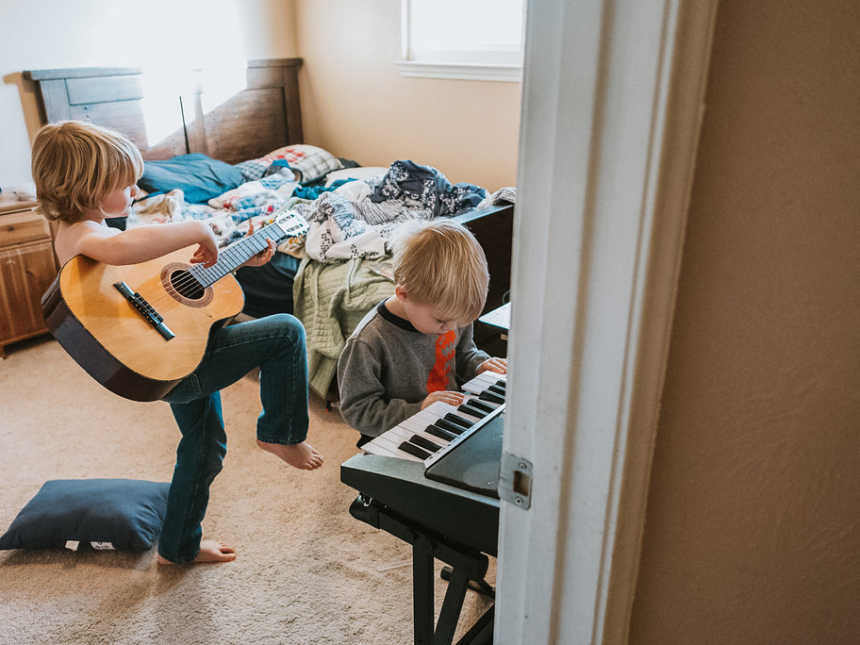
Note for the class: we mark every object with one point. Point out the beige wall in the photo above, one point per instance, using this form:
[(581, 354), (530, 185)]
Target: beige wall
[(355, 103), (753, 524), (155, 35)]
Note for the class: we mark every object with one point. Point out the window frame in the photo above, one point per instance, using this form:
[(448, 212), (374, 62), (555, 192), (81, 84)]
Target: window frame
[(471, 71)]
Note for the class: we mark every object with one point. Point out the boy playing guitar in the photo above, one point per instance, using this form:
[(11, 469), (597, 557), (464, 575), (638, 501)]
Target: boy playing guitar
[(84, 173)]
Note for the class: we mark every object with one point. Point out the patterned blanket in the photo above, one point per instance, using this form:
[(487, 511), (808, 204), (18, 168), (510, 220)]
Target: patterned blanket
[(358, 219), (350, 220), (228, 214)]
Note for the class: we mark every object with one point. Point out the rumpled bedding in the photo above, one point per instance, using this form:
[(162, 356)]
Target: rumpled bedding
[(228, 214), (358, 219), (504, 195), (330, 300), (426, 188), (346, 224), (350, 219)]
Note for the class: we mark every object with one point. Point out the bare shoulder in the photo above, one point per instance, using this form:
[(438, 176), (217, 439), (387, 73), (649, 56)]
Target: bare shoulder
[(68, 238)]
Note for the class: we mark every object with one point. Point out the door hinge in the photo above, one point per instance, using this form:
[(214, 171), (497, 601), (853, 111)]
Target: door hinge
[(515, 480)]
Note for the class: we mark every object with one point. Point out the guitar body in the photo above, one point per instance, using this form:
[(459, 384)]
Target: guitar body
[(110, 338)]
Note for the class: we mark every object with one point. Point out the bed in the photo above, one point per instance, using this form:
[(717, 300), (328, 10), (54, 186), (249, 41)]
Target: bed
[(257, 128)]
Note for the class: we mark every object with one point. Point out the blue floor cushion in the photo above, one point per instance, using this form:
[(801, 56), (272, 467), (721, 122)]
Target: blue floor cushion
[(123, 514)]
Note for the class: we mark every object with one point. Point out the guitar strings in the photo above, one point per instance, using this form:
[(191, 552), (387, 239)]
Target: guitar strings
[(190, 278), (258, 236)]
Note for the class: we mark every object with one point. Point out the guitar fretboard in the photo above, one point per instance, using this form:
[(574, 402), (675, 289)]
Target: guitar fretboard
[(243, 250)]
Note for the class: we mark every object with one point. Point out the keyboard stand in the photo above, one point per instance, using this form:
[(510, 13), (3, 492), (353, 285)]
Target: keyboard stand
[(467, 565), (478, 586)]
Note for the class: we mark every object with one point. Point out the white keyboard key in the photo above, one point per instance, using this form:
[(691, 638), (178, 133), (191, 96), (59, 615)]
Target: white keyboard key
[(388, 443)]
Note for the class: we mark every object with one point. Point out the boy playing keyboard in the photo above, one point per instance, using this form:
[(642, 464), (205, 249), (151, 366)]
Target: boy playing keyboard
[(414, 348)]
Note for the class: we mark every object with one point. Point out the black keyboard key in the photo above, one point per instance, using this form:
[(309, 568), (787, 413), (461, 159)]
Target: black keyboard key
[(475, 412), (492, 398), (495, 389), (450, 426), (481, 405), (502, 384), (414, 450), (425, 443), (436, 431), (458, 420)]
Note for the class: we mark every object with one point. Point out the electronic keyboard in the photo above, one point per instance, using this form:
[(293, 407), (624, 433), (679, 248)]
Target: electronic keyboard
[(432, 481), (431, 433)]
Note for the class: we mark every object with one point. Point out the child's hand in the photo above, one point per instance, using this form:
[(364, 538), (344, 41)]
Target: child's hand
[(263, 256), (207, 249), (446, 396), (499, 365)]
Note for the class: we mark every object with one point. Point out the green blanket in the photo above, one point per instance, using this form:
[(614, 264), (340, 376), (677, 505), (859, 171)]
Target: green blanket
[(330, 300)]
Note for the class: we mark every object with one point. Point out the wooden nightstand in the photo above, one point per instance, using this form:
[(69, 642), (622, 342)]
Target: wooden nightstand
[(27, 267)]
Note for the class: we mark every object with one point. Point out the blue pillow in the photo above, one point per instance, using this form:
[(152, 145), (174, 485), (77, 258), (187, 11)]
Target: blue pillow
[(126, 513), (199, 177)]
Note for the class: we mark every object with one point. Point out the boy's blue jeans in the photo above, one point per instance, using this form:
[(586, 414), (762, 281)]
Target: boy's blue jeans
[(275, 344)]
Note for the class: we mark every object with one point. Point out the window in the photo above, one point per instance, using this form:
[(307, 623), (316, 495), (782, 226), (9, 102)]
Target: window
[(476, 39)]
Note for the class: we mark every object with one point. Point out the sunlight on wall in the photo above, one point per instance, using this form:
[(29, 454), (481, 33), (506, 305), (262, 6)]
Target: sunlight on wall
[(203, 49), (161, 36)]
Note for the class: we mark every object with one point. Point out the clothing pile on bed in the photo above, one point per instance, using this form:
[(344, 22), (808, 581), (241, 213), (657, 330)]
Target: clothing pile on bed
[(352, 216), (194, 186), (357, 219)]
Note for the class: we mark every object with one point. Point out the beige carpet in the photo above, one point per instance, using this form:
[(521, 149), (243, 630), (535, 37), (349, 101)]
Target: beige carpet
[(307, 572)]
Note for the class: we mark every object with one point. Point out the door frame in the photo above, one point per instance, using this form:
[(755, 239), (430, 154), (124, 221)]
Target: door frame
[(613, 94)]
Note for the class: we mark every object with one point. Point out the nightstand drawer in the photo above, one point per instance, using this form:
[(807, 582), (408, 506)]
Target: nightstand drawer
[(20, 228), (26, 271)]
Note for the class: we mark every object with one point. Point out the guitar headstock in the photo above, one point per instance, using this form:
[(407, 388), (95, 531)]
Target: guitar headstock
[(292, 224)]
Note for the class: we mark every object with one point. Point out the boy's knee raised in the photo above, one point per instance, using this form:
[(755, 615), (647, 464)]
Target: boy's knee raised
[(291, 327)]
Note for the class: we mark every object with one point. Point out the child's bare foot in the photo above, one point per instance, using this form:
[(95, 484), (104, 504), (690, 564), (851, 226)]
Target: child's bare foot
[(210, 551), (301, 455)]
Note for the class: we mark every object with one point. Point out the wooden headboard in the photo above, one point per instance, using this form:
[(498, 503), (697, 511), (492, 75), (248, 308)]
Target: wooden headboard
[(263, 116)]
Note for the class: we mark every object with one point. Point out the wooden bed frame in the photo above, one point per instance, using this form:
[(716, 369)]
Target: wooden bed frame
[(263, 116)]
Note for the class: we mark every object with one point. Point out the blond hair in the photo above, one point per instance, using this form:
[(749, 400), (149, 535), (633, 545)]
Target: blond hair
[(76, 164), (441, 263)]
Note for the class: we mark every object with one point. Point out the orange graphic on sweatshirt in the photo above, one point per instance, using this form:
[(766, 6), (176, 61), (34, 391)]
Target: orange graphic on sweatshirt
[(441, 372)]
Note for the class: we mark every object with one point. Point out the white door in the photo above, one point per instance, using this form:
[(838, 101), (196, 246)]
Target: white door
[(612, 100)]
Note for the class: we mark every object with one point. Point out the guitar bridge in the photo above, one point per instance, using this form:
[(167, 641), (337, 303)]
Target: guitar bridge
[(144, 309)]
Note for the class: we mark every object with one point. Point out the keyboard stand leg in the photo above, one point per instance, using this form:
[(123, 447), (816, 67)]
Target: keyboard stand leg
[(422, 590), (481, 633), (466, 564), (451, 607), (478, 586)]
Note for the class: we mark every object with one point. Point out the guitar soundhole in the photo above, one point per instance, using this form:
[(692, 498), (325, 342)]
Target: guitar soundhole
[(186, 285), (178, 281)]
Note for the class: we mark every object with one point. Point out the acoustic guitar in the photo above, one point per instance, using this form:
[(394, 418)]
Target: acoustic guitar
[(139, 329)]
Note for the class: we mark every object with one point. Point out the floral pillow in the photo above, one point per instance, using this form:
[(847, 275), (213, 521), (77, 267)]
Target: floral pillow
[(309, 163), (253, 169)]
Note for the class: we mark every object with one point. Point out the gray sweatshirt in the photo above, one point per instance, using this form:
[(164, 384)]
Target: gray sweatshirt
[(388, 367)]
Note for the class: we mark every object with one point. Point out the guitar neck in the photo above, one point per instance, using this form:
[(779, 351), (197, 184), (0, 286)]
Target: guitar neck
[(235, 255)]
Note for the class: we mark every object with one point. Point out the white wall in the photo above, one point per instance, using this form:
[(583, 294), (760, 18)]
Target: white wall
[(159, 35)]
